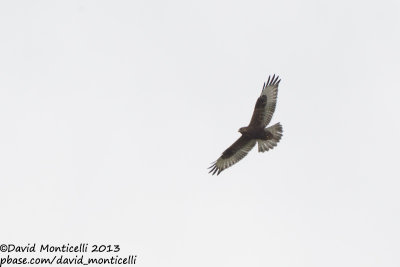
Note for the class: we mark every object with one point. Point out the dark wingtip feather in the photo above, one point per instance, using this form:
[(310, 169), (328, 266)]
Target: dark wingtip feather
[(276, 78), (213, 168), (272, 81), (216, 169), (212, 164)]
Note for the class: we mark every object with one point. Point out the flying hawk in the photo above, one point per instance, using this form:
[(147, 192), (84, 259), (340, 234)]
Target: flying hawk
[(255, 132)]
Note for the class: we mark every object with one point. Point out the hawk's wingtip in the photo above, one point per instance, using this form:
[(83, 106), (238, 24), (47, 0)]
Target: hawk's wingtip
[(272, 81)]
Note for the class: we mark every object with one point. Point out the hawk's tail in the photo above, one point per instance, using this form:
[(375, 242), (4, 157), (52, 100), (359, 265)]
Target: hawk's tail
[(276, 130)]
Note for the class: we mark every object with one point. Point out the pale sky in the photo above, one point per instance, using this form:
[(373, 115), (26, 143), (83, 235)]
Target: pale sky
[(112, 111)]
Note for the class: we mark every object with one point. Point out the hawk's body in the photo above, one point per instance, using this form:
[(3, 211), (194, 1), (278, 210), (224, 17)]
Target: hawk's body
[(255, 132)]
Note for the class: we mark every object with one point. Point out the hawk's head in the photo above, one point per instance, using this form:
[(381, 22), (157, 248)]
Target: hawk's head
[(243, 130)]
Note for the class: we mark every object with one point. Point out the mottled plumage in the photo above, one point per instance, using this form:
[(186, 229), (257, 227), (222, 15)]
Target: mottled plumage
[(255, 132)]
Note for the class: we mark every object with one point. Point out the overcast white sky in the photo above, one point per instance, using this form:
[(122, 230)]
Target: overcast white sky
[(111, 112)]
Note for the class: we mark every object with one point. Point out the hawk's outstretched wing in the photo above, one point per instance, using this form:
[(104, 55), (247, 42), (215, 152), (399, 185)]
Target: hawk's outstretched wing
[(233, 154), (266, 103)]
